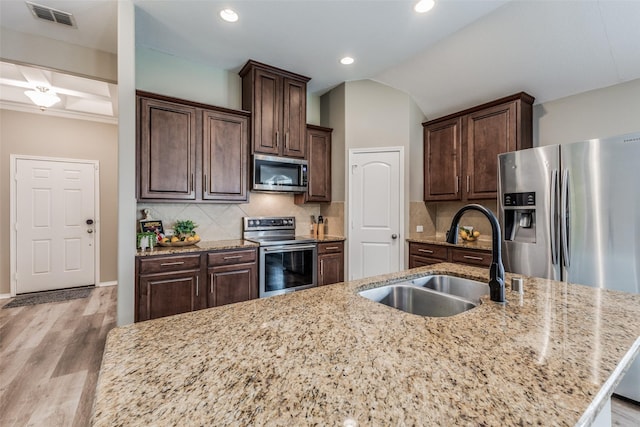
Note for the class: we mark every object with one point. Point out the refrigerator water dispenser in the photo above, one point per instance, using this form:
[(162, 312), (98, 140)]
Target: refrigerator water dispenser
[(520, 217)]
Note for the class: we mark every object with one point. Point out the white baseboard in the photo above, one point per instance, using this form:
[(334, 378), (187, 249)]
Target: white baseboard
[(102, 284), (5, 296)]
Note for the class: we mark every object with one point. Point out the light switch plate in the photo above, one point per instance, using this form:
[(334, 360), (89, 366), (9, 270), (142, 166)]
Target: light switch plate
[(419, 229)]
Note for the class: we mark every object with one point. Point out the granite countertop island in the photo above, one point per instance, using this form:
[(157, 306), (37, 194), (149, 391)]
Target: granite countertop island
[(327, 356)]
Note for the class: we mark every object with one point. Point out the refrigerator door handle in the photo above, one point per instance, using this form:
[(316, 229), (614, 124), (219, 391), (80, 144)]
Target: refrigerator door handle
[(564, 217), (553, 217)]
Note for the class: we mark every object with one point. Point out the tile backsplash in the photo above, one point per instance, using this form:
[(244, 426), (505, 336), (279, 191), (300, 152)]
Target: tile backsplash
[(224, 221), (436, 218)]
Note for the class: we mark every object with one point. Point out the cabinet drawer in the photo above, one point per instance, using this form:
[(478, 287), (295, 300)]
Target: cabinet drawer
[(428, 250), (232, 257), (418, 261), (330, 248), (159, 264), (463, 256)]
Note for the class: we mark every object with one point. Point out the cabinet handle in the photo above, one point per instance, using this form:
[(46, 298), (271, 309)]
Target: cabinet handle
[(322, 268), (277, 138), (286, 141), (205, 183), (468, 179), (165, 264), (457, 185), (330, 248), (232, 257), (191, 182), (425, 251), (197, 286), (477, 258), (211, 280)]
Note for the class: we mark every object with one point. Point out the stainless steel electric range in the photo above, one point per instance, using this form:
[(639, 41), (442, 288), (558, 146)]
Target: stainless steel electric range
[(286, 262)]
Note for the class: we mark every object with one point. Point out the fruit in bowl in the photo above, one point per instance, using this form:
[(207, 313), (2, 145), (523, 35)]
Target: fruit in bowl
[(468, 234), (185, 234)]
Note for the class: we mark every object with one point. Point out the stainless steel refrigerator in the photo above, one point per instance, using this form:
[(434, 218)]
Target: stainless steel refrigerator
[(571, 212)]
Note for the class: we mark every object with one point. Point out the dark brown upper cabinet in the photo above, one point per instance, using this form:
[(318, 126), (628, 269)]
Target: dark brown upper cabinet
[(167, 146), (190, 151), (319, 158), (461, 150), (277, 100)]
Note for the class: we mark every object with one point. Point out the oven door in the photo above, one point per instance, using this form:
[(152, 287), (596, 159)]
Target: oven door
[(287, 268)]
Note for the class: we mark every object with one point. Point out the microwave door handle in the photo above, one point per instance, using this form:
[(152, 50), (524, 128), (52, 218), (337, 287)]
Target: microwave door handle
[(553, 217)]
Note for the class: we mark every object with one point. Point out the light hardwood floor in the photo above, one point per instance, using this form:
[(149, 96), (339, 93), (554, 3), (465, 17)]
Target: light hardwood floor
[(51, 355), (50, 358)]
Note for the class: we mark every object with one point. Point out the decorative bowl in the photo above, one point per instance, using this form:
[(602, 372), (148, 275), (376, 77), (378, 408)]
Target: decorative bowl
[(179, 243)]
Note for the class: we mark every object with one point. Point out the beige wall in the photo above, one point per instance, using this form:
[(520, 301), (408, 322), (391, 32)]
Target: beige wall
[(169, 75), (610, 111), (368, 114), (31, 49), (42, 135)]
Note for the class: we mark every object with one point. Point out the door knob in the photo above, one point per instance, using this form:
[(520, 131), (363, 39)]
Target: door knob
[(90, 231), (394, 236)]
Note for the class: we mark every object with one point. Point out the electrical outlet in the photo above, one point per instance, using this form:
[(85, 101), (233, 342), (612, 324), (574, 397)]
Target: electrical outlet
[(419, 229)]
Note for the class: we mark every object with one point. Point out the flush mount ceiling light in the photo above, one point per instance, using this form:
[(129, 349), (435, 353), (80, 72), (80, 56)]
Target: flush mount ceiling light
[(347, 60), (424, 6), (42, 97), (229, 15)]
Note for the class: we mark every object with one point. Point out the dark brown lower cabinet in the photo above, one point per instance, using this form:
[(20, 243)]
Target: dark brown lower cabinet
[(422, 254), (233, 277), (330, 263), (174, 284), (168, 285)]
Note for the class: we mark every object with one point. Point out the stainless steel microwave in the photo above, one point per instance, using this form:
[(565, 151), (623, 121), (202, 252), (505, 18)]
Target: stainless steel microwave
[(281, 174)]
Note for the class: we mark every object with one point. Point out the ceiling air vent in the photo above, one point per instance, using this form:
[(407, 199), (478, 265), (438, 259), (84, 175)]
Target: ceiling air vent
[(51, 15)]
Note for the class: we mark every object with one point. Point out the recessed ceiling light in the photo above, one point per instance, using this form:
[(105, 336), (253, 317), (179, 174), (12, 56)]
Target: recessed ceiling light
[(229, 15), (347, 60), (424, 6)]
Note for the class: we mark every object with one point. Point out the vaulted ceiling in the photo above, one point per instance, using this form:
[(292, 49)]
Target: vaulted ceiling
[(461, 53)]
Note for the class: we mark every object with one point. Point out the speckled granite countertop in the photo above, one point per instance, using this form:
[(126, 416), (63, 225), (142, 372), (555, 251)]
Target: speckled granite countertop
[(327, 238), (198, 247), (481, 243), (326, 355), (217, 245)]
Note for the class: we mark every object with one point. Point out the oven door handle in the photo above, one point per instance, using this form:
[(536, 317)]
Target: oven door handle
[(288, 248)]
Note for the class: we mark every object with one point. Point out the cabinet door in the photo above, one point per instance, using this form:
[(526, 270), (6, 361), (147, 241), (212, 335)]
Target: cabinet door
[(294, 115), (267, 112), (442, 160), (319, 157), (168, 294), (226, 160), (232, 283), (166, 150), (489, 132), (330, 268)]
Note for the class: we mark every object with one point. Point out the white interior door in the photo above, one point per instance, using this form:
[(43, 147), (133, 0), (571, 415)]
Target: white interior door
[(375, 212), (55, 224)]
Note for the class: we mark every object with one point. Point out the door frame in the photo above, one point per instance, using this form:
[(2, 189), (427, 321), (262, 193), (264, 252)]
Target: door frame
[(13, 235), (349, 163)]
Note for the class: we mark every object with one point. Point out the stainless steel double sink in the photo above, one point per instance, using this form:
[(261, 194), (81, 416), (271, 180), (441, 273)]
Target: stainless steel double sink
[(433, 295)]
